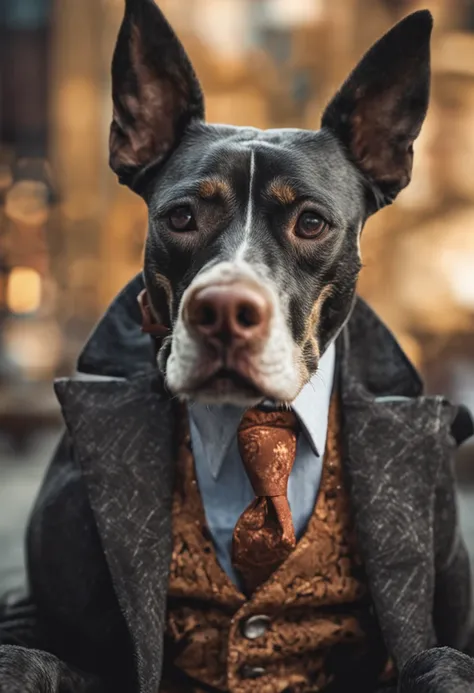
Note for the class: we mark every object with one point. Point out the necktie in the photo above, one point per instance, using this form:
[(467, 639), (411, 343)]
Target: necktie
[(264, 535)]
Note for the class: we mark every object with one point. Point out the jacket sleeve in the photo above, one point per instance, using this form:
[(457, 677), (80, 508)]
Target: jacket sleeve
[(19, 621), (453, 587), (70, 610)]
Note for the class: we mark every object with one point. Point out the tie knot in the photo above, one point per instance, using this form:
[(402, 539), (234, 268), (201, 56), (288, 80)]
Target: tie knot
[(267, 445), (273, 419)]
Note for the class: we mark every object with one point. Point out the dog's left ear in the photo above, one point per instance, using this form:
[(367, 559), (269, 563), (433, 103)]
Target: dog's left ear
[(155, 92), (379, 111)]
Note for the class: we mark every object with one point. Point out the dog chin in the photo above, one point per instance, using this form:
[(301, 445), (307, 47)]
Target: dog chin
[(221, 387), (230, 388)]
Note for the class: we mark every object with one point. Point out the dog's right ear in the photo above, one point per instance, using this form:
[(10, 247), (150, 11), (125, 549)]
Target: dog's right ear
[(155, 92)]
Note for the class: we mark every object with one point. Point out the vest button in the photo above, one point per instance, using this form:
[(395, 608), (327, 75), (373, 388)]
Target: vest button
[(249, 672), (255, 626)]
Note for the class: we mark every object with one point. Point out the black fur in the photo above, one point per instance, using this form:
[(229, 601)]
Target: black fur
[(362, 153), (167, 72), (379, 111)]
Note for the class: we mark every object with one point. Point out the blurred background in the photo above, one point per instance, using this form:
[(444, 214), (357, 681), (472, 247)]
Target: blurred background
[(71, 237)]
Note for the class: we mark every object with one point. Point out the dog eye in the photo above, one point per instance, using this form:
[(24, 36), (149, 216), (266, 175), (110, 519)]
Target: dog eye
[(310, 225), (182, 219)]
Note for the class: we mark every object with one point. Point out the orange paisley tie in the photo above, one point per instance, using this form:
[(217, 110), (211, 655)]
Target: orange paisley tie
[(264, 535)]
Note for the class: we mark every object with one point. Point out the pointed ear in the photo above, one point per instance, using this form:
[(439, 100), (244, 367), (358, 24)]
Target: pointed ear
[(378, 112), (155, 92)]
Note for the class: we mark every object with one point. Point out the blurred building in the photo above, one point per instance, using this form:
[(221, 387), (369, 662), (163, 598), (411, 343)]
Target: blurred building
[(70, 237)]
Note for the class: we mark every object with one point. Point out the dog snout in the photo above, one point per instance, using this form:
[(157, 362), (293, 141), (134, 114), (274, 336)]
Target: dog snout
[(229, 315)]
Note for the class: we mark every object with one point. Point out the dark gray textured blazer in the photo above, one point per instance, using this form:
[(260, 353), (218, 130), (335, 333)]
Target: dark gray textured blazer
[(99, 538)]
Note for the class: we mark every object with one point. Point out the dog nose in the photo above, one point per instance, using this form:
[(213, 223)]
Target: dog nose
[(229, 314)]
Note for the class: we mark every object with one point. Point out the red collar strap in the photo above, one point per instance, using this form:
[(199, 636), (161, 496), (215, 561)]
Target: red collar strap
[(150, 324)]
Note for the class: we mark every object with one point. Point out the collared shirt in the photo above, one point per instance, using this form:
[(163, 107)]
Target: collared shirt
[(223, 482)]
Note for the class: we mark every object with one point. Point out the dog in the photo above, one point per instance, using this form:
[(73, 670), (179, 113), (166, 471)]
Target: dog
[(254, 236), (250, 273)]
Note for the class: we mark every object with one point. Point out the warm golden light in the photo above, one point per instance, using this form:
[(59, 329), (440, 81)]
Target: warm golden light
[(27, 203), (23, 290)]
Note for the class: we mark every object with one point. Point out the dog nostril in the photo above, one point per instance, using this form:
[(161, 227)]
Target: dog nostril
[(248, 316), (207, 316)]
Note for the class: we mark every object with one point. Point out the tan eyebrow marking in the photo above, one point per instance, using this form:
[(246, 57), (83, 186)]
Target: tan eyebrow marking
[(215, 186), (282, 191)]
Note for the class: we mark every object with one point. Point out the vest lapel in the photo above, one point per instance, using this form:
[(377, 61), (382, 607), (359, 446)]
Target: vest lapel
[(392, 452), (122, 434)]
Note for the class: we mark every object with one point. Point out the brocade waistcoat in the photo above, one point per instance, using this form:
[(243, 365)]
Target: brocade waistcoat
[(309, 628)]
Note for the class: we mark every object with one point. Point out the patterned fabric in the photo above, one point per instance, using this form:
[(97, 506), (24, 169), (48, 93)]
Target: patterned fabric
[(314, 611), (264, 535), (223, 483), (103, 580)]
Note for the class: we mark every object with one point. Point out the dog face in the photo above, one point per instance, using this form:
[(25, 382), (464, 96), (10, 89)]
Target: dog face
[(263, 260), (254, 235)]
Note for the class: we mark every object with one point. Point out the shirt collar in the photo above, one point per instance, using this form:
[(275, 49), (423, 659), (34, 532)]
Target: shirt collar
[(216, 425)]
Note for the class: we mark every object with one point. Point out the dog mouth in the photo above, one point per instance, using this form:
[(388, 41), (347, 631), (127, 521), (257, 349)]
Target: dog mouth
[(226, 384)]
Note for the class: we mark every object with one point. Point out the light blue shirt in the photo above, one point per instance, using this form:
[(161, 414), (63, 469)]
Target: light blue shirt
[(223, 482)]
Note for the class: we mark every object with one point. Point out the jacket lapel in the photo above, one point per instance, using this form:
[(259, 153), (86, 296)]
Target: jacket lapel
[(123, 440), (393, 448), (394, 441)]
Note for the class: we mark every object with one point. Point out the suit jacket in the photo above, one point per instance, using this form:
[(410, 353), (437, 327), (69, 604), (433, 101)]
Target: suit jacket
[(99, 539)]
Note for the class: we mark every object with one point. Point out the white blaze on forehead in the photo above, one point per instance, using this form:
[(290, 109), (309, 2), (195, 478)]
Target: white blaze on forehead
[(244, 246)]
